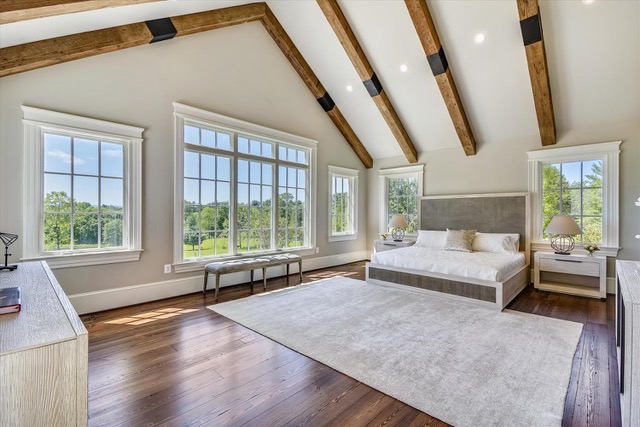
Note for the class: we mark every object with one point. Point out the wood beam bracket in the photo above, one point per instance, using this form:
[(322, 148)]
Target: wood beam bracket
[(531, 29), (373, 85), (438, 62), (326, 102), (161, 29)]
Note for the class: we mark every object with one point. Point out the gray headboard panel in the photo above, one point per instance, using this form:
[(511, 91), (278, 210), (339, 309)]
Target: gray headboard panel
[(487, 213)]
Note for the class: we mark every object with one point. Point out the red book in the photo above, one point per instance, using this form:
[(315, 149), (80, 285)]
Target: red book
[(9, 300)]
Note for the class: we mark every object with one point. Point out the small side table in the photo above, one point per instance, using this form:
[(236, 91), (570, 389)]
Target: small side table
[(389, 244), (581, 275)]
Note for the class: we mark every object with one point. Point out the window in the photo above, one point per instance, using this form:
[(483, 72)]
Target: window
[(580, 181), (401, 189), (82, 205), (240, 189), (343, 199)]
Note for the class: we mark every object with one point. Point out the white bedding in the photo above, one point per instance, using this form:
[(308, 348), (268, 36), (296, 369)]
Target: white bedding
[(478, 265)]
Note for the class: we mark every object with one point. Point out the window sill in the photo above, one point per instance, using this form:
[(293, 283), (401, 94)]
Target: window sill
[(343, 237), (87, 259), (604, 250), (198, 265)]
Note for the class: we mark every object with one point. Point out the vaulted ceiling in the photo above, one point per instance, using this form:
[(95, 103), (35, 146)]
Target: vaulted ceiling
[(592, 61)]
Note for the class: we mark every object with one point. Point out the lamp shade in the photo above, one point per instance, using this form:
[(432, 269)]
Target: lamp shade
[(562, 224), (397, 220)]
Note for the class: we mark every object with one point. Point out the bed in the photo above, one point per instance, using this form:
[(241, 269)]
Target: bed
[(482, 278)]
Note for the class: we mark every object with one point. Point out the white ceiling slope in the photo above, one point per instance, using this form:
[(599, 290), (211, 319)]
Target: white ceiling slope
[(593, 53)]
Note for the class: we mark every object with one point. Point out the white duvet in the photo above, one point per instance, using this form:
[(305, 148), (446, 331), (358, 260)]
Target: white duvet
[(478, 265)]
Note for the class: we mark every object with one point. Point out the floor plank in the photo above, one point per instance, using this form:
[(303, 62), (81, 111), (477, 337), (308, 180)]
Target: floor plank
[(174, 362)]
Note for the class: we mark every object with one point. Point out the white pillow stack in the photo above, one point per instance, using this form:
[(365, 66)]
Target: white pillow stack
[(497, 243)]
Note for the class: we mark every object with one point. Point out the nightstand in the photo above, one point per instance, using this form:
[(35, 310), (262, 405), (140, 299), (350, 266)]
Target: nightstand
[(386, 245), (581, 275)]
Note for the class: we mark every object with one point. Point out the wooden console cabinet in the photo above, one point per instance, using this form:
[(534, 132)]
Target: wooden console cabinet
[(43, 354), (628, 339)]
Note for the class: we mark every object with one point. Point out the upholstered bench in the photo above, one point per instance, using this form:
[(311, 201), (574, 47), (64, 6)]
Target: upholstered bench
[(234, 266), (286, 259)]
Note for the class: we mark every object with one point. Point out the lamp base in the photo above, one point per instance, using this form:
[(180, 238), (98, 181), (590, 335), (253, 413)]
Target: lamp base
[(562, 243), (562, 253), (8, 267)]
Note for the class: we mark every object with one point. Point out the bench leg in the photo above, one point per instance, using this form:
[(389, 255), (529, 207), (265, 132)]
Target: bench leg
[(264, 279), (300, 270), (252, 281), (217, 285), (206, 276)]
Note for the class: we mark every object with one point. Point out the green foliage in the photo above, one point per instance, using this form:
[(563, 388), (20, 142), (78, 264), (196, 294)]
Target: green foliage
[(340, 213), (403, 199), (58, 220), (581, 198)]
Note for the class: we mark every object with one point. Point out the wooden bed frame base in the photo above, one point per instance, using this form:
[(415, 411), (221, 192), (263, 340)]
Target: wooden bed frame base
[(481, 292)]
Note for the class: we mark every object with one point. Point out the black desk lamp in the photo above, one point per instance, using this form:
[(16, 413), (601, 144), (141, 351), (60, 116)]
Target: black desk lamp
[(7, 239)]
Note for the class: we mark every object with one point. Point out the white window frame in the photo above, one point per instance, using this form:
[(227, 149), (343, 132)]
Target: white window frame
[(36, 123), (400, 172), (237, 128), (352, 176), (609, 154)]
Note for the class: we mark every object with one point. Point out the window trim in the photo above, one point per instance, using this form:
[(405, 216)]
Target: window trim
[(36, 122), (609, 153), (352, 176), (209, 119), (399, 172)]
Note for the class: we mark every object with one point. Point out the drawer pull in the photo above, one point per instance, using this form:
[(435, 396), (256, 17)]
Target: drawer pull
[(568, 260)]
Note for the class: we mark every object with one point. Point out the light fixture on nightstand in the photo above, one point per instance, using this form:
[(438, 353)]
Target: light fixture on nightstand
[(399, 223), (7, 239), (562, 228)]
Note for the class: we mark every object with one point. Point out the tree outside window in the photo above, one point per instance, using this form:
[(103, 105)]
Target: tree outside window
[(576, 189)]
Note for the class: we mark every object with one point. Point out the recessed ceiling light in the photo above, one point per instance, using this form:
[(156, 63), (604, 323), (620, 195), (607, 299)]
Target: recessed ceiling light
[(404, 68), (349, 88), (479, 38), (588, 2)]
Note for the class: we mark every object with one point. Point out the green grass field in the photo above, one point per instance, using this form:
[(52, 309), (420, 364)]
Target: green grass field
[(222, 245)]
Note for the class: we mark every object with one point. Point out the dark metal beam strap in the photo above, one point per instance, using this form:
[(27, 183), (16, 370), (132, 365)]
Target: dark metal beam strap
[(326, 102), (162, 29), (373, 85), (438, 62), (531, 30)]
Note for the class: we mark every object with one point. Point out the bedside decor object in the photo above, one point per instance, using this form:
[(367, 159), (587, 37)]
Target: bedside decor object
[(591, 248), (7, 239), (399, 223), (563, 228), (384, 236)]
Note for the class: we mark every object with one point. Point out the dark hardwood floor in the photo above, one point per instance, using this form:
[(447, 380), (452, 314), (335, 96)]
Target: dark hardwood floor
[(174, 362)]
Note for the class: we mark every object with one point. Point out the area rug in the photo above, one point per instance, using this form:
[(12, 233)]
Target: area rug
[(466, 365)]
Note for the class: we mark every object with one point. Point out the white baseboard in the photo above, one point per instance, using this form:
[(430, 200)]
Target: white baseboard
[(91, 302)]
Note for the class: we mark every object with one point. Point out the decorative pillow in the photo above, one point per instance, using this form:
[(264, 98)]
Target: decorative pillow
[(431, 239), (459, 240), (496, 243)]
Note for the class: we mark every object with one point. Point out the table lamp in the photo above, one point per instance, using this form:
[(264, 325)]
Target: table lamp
[(562, 228), (399, 223)]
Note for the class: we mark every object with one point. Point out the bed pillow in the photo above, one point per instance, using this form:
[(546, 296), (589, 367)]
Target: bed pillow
[(431, 239), (459, 240), (497, 243)]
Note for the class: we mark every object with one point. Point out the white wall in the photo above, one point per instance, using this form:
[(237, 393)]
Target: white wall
[(236, 71), (502, 167)]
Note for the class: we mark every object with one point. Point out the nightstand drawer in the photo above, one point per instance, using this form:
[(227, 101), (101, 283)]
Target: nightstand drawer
[(559, 265)]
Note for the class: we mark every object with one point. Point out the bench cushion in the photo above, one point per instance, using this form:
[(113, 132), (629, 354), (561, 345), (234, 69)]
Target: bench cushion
[(282, 258), (231, 266)]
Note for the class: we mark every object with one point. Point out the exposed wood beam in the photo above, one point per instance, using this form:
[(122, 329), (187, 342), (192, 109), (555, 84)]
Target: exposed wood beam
[(423, 23), (288, 48), (21, 10), (531, 27), (30, 56), (343, 31)]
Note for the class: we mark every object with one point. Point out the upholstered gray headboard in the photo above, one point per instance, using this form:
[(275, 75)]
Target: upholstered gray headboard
[(487, 213)]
